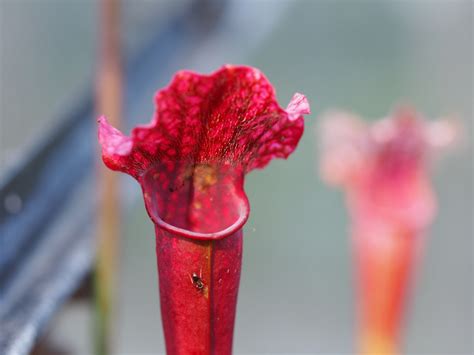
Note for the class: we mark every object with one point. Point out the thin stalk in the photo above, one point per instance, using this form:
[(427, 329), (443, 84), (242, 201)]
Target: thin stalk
[(384, 269), (109, 102)]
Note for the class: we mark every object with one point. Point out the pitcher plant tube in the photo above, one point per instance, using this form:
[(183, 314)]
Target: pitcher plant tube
[(383, 169), (208, 131)]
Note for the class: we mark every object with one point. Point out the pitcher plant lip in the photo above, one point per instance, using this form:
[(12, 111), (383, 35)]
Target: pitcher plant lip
[(244, 212), (229, 118)]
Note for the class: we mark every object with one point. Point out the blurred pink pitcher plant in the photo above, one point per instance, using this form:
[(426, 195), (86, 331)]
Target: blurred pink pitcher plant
[(384, 170)]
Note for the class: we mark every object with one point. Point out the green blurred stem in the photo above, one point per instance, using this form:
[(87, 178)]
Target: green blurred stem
[(108, 103)]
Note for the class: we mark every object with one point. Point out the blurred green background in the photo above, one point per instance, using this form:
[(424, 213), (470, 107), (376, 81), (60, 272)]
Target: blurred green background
[(296, 293)]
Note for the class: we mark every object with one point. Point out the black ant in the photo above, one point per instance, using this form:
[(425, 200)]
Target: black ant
[(197, 280)]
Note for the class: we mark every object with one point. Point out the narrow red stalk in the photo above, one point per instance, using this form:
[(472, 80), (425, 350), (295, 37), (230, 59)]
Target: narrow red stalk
[(199, 282), (191, 160), (383, 169)]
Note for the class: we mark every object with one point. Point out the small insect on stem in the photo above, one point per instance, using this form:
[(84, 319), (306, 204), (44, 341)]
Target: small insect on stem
[(197, 281)]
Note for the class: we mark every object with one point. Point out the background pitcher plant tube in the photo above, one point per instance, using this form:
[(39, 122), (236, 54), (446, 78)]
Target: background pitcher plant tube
[(207, 133), (384, 171)]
